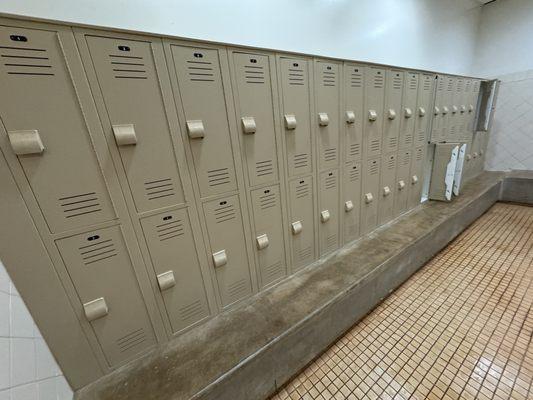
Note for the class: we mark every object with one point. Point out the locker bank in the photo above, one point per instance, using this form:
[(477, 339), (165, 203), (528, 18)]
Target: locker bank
[(318, 204)]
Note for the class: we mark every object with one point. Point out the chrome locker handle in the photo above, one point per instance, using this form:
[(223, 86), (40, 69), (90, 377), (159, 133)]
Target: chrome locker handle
[(296, 227), (166, 280), (290, 122), (348, 206), (372, 115), (454, 109), (248, 125), (436, 110), (421, 111), (125, 134), (324, 216), (25, 142), (350, 117), (369, 198), (220, 258), (401, 184), (386, 191), (414, 179), (95, 309), (196, 129), (408, 113), (445, 110), (391, 114), (323, 119), (262, 241)]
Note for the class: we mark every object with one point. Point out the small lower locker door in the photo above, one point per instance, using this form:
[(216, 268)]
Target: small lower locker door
[(228, 249), (177, 269), (351, 201), (386, 194), (100, 268), (417, 174), (329, 212), (302, 227), (401, 195), (370, 193)]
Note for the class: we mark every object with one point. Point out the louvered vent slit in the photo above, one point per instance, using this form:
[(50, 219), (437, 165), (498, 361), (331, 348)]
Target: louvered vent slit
[(224, 212), (296, 76), (200, 71), (413, 83), (254, 74), (397, 82), (331, 182), (80, 204), (393, 141), (356, 79), (427, 84), (169, 230), (98, 251), (331, 242), (193, 310), (374, 145), (305, 253), (406, 159), (128, 67), (264, 168), (301, 160), (328, 78), (378, 81), (274, 270), (374, 169), (236, 289), (217, 177), (302, 191), (26, 61), (408, 138), (355, 149), (391, 164), (131, 340), (267, 200), (354, 174), (330, 154), (418, 155), (159, 188)]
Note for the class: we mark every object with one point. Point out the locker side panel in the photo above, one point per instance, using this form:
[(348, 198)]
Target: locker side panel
[(387, 192), (354, 103), (370, 193), (393, 106), (417, 174), (374, 101), (329, 212), (423, 111), (410, 92), (351, 201), (401, 196)]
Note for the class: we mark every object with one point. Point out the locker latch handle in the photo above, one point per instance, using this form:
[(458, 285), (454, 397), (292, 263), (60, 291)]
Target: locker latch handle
[(470, 108), (372, 115), (125, 134), (348, 206), (25, 142), (350, 117), (436, 110), (386, 191), (421, 111), (166, 280), (324, 216), (475, 155), (369, 198), (391, 114), (290, 122), (296, 227), (248, 125), (95, 309), (468, 157), (323, 119), (408, 113), (463, 109), (401, 184), (414, 179), (445, 110), (220, 258), (196, 129), (262, 241), (454, 109)]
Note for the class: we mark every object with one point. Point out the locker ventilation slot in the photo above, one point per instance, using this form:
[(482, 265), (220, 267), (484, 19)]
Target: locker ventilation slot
[(356, 79), (427, 84), (408, 138), (355, 149), (192, 311), (131, 340), (80, 204), (440, 85), (354, 174), (330, 154), (263, 168), (406, 160), (393, 141), (378, 81), (225, 212), (413, 84), (254, 74), (268, 200), (296, 77), (391, 164), (450, 86), (301, 160), (159, 188), (29, 62), (302, 191), (169, 230), (98, 251), (331, 242), (374, 145), (374, 169), (418, 155), (305, 253), (273, 271), (128, 67), (200, 71), (421, 136), (330, 182), (217, 177), (397, 82), (328, 78), (237, 289)]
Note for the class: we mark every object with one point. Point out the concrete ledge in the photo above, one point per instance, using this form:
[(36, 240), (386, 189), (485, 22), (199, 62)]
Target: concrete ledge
[(249, 352), (518, 187)]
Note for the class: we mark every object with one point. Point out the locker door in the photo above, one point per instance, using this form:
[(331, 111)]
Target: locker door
[(202, 97), (296, 97), (174, 257), (472, 107), (447, 108), (129, 83), (351, 200), (255, 110), (40, 107), (370, 193), (100, 268), (393, 110), (374, 99), (328, 106), (386, 187), (463, 109), (410, 92), (269, 240), (438, 110), (302, 229), (423, 111), (455, 114), (227, 247), (329, 212), (417, 175), (401, 195), (354, 113)]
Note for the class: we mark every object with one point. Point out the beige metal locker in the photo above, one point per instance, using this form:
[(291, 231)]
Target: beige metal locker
[(327, 93), (407, 115), (268, 231), (301, 220), (416, 178), (329, 211), (199, 78), (253, 96), (46, 130), (374, 101), (387, 188), (174, 257), (455, 111), (296, 114), (351, 201), (392, 118), (100, 268), (370, 195), (464, 109), (403, 179), (354, 112), (439, 111), (227, 248), (423, 111), (447, 108)]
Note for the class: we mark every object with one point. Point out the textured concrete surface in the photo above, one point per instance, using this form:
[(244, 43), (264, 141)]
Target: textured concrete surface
[(518, 187), (248, 352)]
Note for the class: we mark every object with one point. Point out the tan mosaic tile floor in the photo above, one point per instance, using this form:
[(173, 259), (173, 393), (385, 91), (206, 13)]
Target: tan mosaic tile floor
[(460, 328)]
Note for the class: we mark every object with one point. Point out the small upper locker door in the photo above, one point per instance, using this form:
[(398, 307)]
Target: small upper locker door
[(354, 111), (423, 112), (393, 103), (438, 111), (374, 100), (410, 93)]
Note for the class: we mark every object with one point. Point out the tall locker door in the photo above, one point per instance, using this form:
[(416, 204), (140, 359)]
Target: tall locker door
[(351, 201), (227, 247), (176, 265), (253, 92), (329, 211), (403, 181), (393, 110), (387, 186), (327, 84), (370, 193), (423, 111), (416, 177), (126, 70), (46, 128), (447, 107), (296, 105), (410, 92), (455, 114), (302, 228), (374, 100), (438, 110), (100, 268), (268, 234), (200, 84), (354, 110), (463, 109)]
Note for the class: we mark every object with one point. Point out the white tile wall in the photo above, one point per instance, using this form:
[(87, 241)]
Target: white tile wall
[(28, 370), (511, 139)]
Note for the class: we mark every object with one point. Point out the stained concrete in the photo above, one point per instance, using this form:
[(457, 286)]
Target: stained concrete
[(248, 352), (518, 187)]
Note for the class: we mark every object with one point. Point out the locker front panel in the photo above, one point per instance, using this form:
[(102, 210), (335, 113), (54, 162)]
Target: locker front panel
[(448, 107), (423, 113), (227, 248), (409, 102), (354, 103), (455, 112), (437, 130), (351, 201), (393, 110), (174, 253), (416, 178), (329, 212), (41, 104), (386, 187), (401, 196), (296, 98), (130, 87), (369, 195), (374, 101), (100, 268), (201, 89)]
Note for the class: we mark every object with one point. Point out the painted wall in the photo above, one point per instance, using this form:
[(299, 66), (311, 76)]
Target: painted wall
[(428, 34)]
